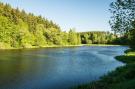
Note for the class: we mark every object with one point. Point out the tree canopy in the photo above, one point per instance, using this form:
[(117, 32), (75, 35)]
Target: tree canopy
[(123, 19)]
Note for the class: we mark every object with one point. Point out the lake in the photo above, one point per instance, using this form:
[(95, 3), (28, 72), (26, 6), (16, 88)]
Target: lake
[(56, 68)]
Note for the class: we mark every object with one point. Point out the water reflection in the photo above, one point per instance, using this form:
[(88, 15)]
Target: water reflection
[(55, 68)]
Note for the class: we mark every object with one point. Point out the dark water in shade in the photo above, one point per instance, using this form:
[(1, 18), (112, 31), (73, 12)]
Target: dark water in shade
[(56, 68)]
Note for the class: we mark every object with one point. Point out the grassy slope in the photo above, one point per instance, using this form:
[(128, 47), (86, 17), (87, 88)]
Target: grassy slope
[(121, 78)]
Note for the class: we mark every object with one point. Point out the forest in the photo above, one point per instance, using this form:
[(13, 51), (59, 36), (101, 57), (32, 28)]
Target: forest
[(19, 29)]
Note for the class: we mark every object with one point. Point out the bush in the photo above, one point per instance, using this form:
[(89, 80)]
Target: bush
[(4, 45)]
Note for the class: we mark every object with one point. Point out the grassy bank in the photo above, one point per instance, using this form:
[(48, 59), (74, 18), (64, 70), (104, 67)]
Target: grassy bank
[(56, 46), (121, 78), (47, 46)]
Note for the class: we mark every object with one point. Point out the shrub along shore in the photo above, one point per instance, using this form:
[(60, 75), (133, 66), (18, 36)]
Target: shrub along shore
[(122, 78)]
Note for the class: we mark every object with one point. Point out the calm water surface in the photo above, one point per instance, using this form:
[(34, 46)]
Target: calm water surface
[(56, 68)]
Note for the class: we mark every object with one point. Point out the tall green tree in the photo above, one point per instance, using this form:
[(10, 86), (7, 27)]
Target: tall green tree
[(123, 18), (73, 37)]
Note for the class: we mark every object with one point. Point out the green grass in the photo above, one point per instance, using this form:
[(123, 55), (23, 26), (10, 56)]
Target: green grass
[(33, 47), (55, 46), (121, 78)]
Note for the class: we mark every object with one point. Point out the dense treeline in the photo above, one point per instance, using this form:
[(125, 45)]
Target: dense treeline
[(97, 37), (21, 29)]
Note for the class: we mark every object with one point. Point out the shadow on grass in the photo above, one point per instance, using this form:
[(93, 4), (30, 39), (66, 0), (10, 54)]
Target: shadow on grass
[(126, 59)]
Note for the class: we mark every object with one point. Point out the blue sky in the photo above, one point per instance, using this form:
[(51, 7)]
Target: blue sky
[(84, 15)]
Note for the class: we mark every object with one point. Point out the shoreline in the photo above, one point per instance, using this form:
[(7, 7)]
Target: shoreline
[(103, 45), (59, 46), (121, 78)]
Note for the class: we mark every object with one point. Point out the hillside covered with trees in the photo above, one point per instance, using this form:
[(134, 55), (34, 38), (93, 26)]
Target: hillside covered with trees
[(19, 29)]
